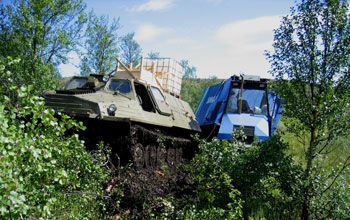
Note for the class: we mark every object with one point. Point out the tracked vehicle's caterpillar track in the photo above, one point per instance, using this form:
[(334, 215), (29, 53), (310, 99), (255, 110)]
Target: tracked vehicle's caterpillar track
[(145, 147), (153, 148)]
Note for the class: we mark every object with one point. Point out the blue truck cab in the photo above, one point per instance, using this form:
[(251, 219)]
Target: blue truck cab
[(240, 102)]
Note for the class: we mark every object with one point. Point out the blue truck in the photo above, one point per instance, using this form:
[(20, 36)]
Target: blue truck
[(240, 102)]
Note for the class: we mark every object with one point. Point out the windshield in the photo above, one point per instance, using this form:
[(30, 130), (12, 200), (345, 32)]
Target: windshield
[(122, 86), (76, 83), (253, 101)]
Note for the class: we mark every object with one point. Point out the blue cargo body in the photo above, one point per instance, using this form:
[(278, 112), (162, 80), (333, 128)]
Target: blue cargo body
[(240, 102)]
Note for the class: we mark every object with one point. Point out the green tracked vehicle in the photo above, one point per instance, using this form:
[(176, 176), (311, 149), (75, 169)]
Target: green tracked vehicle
[(142, 121)]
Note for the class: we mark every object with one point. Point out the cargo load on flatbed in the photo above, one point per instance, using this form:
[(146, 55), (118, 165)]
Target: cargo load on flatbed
[(164, 73)]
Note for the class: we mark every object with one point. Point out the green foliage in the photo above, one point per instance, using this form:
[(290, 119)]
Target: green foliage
[(192, 89), (312, 50), (40, 33), (101, 45), (211, 176), (45, 174), (43, 78), (130, 49), (298, 139), (207, 214), (246, 180), (329, 177), (332, 193)]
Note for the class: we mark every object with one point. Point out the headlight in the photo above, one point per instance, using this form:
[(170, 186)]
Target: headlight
[(111, 109), (105, 78)]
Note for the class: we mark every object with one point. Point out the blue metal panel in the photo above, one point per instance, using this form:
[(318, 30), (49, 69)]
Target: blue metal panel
[(275, 109), (226, 128), (213, 103), (229, 120), (271, 101), (277, 114), (203, 105)]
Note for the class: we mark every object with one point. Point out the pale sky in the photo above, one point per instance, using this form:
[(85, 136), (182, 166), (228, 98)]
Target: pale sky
[(218, 37)]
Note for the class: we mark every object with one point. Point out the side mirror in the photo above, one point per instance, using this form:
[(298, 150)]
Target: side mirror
[(257, 110)]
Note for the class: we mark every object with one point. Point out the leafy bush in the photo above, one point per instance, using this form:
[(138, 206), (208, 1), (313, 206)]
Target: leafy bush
[(213, 184), (45, 174), (258, 180), (331, 199), (209, 213)]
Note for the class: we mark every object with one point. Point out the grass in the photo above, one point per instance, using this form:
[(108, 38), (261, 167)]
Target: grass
[(337, 152)]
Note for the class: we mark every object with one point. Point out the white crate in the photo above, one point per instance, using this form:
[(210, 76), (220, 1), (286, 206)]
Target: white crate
[(167, 71)]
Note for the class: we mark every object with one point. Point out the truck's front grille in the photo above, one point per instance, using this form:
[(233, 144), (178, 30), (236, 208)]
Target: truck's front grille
[(247, 130)]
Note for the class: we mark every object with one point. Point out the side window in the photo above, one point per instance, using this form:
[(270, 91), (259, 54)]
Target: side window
[(159, 98), (122, 86), (144, 98), (157, 94), (232, 105)]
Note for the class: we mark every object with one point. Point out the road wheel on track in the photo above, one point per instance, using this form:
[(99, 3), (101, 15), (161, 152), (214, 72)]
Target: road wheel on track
[(171, 156), (153, 156), (138, 155)]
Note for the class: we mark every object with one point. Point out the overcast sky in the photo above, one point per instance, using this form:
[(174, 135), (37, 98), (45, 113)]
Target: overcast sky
[(218, 37)]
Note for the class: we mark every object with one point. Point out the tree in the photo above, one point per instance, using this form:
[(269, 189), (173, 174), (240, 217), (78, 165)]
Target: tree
[(101, 45), (189, 72), (131, 50), (312, 50), (153, 55), (40, 33), (46, 172)]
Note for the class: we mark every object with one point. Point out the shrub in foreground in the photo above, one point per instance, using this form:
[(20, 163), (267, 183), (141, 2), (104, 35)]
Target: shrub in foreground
[(45, 174), (236, 180)]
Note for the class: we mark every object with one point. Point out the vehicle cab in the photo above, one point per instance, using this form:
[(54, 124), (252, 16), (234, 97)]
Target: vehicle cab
[(247, 109), (240, 102)]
